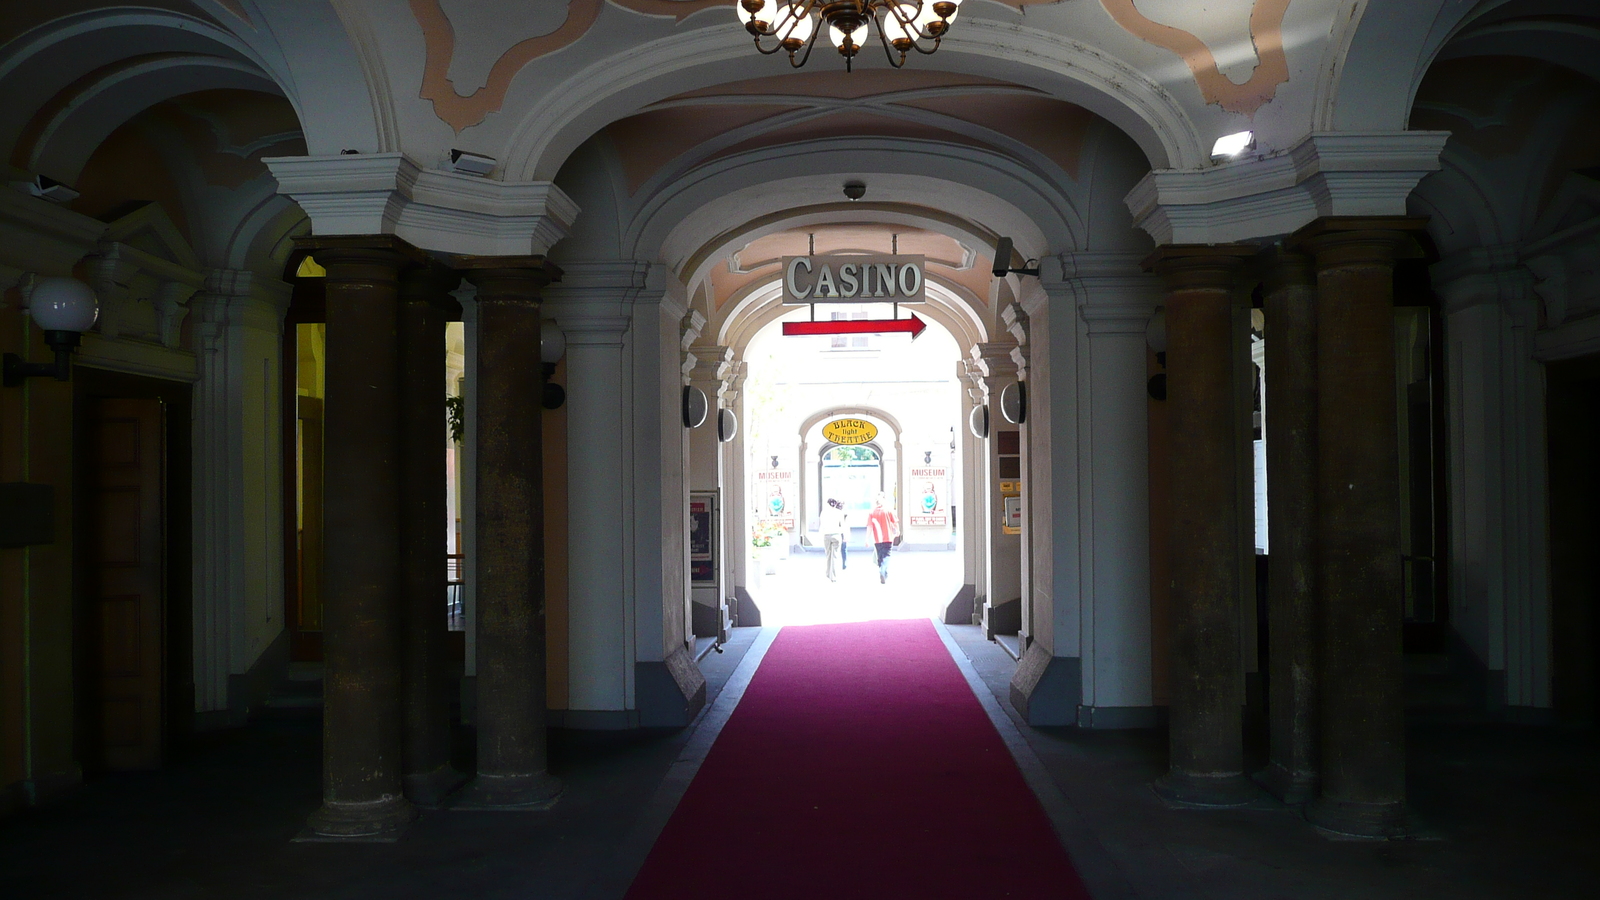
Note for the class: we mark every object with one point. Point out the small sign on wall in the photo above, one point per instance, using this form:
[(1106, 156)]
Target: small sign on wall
[(704, 538), (929, 508)]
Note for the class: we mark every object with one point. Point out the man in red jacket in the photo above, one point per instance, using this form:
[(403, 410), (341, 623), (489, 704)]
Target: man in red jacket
[(884, 530)]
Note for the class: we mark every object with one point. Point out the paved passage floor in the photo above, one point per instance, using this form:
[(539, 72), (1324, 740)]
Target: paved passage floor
[(1508, 810)]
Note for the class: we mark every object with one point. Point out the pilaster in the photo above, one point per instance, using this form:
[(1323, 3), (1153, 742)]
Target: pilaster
[(237, 483), (1499, 605), (1115, 300)]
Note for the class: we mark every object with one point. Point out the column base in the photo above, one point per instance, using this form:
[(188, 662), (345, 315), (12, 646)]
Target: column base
[(372, 820), (1205, 790), (534, 792), (430, 788), (1359, 819), (1291, 788)]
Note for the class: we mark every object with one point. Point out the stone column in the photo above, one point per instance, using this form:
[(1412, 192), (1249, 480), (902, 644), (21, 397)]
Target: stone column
[(1358, 584), (1291, 435), (512, 756), (1205, 735), (361, 753), (424, 296)]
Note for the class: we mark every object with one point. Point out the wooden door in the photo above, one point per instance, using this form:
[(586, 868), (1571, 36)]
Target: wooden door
[(128, 552)]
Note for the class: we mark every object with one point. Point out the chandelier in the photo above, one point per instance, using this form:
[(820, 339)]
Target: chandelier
[(901, 26)]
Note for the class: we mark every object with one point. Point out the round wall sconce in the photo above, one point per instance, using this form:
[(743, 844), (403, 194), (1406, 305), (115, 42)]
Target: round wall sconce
[(727, 425), (63, 308), (695, 406), (978, 421), (1014, 402)]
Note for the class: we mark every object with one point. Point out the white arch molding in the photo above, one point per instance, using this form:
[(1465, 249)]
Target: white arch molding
[(619, 85)]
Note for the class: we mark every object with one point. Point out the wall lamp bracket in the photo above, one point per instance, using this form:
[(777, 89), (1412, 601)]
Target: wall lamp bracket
[(62, 342)]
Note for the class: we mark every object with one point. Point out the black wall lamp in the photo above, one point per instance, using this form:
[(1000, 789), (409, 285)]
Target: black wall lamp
[(64, 308)]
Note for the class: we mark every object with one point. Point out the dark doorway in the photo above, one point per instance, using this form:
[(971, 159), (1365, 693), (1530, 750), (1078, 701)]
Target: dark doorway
[(133, 674), (1573, 397)]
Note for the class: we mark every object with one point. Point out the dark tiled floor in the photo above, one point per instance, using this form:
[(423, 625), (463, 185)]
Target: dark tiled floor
[(1512, 808), (1509, 812)]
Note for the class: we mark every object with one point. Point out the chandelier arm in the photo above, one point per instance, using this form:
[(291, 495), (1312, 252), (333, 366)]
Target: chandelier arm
[(809, 44), (888, 52), (765, 52), (930, 51)]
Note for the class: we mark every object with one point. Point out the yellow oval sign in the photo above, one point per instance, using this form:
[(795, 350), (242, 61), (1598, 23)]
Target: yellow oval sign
[(850, 432)]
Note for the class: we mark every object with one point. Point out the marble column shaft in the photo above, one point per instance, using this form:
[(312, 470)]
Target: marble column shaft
[(512, 755), (362, 718), (424, 296), (1206, 744), (1362, 731), (1291, 436)]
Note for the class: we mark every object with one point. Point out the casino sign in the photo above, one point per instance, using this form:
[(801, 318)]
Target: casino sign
[(854, 279)]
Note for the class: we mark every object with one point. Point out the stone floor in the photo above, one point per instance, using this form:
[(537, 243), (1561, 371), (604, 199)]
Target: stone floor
[(1506, 812)]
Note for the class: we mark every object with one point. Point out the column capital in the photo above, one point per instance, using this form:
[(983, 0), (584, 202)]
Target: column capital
[(237, 296), (1281, 268), (1200, 267), (1483, 276), (388, 193), (358, 258), (508, 279), (1359, 240), (431, 285)]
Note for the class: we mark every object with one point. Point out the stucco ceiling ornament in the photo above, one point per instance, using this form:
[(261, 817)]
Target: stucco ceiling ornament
[(901, 26)]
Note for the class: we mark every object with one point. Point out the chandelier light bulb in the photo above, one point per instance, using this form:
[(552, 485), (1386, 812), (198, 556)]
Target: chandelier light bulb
[(902, 25), (839, 36), (795, 27)]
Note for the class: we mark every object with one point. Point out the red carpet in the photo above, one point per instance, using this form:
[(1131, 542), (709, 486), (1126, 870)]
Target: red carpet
[(858, 764)]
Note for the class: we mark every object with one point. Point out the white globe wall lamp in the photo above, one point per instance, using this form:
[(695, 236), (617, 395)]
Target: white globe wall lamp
[(64, 308)]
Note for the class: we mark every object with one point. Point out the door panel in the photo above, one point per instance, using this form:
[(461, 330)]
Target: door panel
[(127, 495)]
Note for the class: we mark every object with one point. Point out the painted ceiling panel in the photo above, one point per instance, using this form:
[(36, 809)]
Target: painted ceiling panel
[(649, 140), (1055, 128)]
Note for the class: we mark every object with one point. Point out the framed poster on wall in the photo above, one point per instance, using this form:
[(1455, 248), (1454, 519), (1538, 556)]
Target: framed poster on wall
[(704, 537)]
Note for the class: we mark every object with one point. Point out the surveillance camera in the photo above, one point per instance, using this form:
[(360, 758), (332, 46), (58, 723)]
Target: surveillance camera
[(1002, 257), (471, 163), (855, 190)]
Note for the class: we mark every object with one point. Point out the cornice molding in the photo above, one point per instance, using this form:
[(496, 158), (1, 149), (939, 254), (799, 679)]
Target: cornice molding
[(388, 193), (1326, 174)]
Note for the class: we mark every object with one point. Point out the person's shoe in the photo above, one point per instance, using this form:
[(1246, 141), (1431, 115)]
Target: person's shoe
[(882, 578)]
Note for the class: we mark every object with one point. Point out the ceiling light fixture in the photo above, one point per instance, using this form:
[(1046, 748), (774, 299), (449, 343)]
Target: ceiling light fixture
[(902, 25), (1231, 145)]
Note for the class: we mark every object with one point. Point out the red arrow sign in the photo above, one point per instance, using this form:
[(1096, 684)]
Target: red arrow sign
[(913, 326)]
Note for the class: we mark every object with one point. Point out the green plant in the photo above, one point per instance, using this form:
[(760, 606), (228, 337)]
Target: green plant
[(455, 410)]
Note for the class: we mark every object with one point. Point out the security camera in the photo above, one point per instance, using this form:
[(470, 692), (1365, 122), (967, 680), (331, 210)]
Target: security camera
[(855, 190), (471, 163), (1002, 261)]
